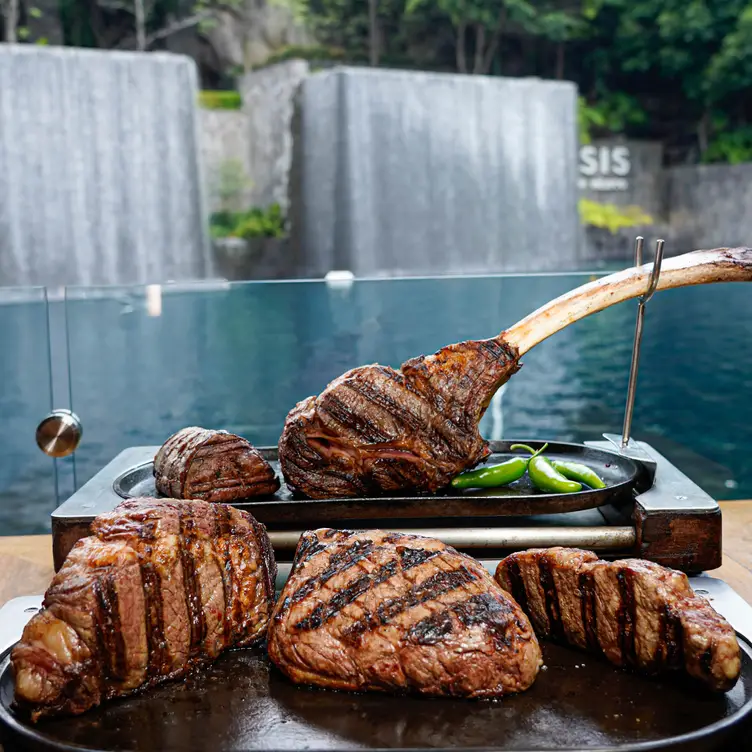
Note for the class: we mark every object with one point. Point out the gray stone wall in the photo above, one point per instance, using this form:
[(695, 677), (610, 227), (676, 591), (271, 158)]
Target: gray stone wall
[(417, 173), (711, 205), (268, 104), (645, 182), (100, 180), (226, 156)]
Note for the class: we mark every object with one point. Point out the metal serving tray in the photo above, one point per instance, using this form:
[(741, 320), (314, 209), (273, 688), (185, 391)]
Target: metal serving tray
[(520, 498), (578, 702)]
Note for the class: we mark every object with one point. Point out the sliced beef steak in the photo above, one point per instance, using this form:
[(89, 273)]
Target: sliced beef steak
[(636, 613), (397, 613), (376, 430), (196, 463), (159, 588)]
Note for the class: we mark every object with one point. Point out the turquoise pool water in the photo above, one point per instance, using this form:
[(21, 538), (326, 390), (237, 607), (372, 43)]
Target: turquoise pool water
[(239, 357)]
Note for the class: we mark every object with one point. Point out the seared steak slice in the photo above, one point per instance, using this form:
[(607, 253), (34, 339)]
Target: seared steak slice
[(397, 613), (375, 429), (160, 587), (636, 613), (196, 463)]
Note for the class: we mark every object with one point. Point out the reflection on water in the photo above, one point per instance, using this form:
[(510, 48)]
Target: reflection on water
[(241, 357)]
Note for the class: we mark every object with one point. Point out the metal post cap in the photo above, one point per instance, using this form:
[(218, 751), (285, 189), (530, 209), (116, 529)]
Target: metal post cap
[(59, 433)]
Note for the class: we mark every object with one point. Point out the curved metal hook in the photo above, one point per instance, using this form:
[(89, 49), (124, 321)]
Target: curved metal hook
[(656, 273)]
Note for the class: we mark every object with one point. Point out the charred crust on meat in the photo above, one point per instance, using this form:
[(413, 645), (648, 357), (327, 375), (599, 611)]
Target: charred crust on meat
[(589, 613), (627, 616), (111, 630), (401, 620), (431, 588), (655, 622), (326, 611), (214, 466), (338, 563), (154, 615), (672, 637), (146, 544), (516, 582), (551, 598), (376, 430), (191, 586), (433, 629), (411, 557)]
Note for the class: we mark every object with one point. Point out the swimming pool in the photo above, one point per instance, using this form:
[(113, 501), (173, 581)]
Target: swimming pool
[(138, 364)]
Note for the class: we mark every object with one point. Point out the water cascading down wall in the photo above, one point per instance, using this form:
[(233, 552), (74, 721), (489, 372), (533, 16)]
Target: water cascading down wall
[(100, 181), (419, 173)]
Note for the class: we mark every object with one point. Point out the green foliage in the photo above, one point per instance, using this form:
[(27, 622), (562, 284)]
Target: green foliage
[(731, 147), (220, 100), (611, 217), (613, 114), (229, 184), (672, 70), (729, 71), (253, 223)]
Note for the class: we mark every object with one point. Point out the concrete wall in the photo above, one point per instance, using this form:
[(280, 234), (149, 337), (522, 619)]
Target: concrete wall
[(711, 205), (100, 178), (698, 206), (402, 172), (645, 181), (226, 156), (268, 104)]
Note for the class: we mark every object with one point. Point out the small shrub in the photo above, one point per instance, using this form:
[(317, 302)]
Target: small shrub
[(253, 223), (228, 185), (612, 217), (220, 100), (731, 146)]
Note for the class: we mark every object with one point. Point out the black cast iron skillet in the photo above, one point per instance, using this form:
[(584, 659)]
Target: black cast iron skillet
[(578, 702), (621, 475)]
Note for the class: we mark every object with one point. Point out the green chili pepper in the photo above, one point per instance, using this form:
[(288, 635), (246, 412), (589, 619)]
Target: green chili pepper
[(496, 475), (579, 472), (547, 478)]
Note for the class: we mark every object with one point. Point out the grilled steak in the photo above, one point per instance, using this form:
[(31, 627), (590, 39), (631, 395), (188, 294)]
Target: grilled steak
[(376, 429), (387, 612), (159, 588), (196, 463), (635, 613)]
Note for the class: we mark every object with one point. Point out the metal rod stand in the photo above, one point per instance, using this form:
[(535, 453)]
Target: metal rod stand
[(655, 274)]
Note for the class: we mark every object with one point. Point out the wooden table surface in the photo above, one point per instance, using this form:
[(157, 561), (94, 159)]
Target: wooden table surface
[(26, 561)]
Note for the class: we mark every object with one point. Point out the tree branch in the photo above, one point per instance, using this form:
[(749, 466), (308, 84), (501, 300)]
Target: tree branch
[(460, 48), (177, 26), (10, 11), (373, 33), (480, 43)]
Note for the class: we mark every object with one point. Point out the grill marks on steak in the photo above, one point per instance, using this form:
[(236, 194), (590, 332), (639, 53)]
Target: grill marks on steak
[(215, 466), (159, 588), (388, 612), (376, 430), (636, 613)]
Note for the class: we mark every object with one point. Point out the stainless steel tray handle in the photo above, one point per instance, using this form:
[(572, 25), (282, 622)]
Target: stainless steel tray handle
[(594, 538)]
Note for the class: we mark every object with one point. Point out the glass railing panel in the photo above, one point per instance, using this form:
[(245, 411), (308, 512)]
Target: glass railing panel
[(27, 476), (147, 361)]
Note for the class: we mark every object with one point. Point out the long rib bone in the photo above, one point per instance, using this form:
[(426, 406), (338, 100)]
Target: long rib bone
[(696, 268)]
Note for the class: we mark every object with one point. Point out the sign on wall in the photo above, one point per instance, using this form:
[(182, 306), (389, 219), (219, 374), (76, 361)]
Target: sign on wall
[(604, 168)]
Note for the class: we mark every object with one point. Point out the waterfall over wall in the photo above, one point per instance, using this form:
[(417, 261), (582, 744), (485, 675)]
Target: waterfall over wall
[(100, 180), (415, 173)]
